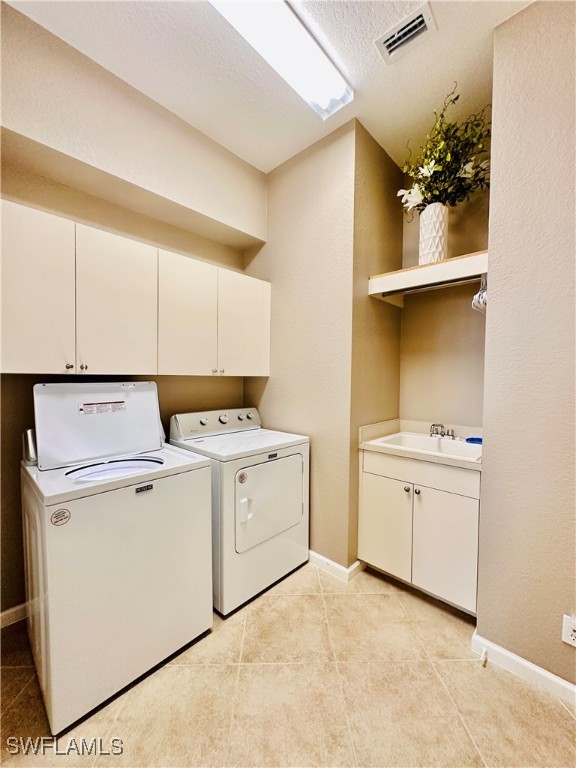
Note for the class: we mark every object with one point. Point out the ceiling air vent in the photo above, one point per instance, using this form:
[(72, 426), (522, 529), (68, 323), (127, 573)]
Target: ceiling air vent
[(404, 34)]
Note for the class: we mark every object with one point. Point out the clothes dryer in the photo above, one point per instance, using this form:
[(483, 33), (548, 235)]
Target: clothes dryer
[(260, 508)]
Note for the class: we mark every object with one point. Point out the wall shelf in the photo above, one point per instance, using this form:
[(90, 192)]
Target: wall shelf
[(392, 286)]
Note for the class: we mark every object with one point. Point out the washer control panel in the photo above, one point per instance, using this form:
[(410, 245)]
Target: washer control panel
[(184, 426)]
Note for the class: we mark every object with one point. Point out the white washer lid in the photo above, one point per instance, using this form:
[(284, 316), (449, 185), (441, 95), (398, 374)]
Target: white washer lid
[(80, 421), (63, 484)]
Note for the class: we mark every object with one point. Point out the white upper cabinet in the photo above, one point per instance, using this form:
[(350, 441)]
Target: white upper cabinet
[(187, 316), (212, 321), (80, 300), (116, 303), (243, 325), (38, 334)]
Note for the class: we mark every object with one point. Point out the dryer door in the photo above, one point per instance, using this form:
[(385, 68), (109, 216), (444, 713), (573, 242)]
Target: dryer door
[(268, 500)]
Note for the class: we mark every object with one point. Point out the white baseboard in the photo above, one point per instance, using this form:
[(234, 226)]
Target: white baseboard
[(520, 667), (335, 569), (12, 615)]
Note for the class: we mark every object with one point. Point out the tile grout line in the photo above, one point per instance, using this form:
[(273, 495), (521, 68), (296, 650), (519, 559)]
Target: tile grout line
[(429, 659), (340, 681), (567, 708), (124, 703), (460, 715), (236, 688), (19, 694), (412, 624)]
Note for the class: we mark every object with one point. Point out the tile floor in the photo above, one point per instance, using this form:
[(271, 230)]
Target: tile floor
[(312, 673)]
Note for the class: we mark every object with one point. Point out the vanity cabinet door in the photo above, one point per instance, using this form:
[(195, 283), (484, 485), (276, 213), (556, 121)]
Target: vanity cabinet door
[(385, 525), (445, 546)]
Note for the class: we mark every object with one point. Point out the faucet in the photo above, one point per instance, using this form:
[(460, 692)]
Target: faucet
[(438, 429)]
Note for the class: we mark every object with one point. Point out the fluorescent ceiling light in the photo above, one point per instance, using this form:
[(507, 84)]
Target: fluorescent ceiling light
[(278, 35)]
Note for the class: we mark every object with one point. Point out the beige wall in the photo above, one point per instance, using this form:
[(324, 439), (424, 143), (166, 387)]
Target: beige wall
[(375, 324), (51, 196), (442, 357), (60, 99), (527, 527), (335, 351), (443, 339), (308, 259)]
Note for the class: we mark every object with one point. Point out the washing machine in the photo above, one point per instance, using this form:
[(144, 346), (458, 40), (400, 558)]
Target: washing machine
[(117, 540), (260, 508)]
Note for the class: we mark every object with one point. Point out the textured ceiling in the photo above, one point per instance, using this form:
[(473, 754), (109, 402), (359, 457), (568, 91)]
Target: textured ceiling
[(184, 56)]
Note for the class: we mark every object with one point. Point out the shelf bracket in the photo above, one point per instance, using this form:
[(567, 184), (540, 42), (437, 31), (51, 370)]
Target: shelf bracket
[(396, 299)]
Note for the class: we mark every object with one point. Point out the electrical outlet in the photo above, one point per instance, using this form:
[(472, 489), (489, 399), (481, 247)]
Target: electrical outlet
[(569, 629)]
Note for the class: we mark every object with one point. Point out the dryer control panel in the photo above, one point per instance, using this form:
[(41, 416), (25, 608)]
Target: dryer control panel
[(184, 426)]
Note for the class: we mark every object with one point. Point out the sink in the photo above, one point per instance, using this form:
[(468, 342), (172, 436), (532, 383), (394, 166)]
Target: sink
[(414, 442)]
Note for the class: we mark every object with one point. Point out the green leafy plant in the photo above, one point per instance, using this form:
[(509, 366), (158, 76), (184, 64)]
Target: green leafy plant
[(449, 165)]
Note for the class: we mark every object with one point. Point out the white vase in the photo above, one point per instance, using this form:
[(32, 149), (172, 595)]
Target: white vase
[(433, 233)]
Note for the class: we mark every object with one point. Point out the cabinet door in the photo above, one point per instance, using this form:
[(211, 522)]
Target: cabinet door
[(116, 303), (385, 525), (38, 333), (187, 316), (445, 546), (243, 325)]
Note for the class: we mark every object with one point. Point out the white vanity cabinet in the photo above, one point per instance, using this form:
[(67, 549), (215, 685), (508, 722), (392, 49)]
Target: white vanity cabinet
[(418, 521), (211, 321)]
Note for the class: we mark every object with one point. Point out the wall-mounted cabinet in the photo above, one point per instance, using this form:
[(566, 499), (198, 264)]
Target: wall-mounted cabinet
[(76, 299), (223, 316), (38, 291), (243, 325), (116, 295), (187, 316), (392, 286)]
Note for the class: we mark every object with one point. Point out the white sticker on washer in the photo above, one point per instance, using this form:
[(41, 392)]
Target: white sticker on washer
[(89, 409)]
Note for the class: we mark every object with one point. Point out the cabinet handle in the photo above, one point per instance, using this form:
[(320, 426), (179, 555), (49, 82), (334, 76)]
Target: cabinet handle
[(417, 491), (69, 366), (221, 370), (407, 489), (83, 367), (214, 370)]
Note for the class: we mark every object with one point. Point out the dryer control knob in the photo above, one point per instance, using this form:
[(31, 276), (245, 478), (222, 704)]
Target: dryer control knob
[(250, 415), (240, 417), (223, 419), (203, 422)]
